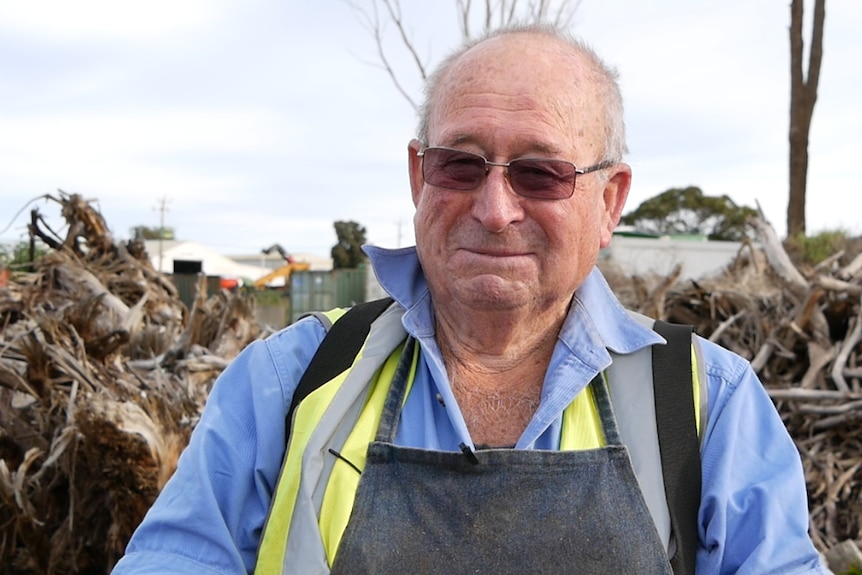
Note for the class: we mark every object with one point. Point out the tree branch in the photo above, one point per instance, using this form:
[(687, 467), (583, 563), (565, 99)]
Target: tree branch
[(394, 8), (506, 11), (372, 23)]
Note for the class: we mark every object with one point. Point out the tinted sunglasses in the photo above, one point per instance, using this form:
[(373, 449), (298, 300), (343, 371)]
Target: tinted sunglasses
[(539, 178)]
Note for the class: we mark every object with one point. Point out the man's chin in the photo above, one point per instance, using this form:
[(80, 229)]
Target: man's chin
[(491, 292)]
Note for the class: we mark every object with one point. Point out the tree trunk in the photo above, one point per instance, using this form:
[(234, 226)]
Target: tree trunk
[(803, 95)]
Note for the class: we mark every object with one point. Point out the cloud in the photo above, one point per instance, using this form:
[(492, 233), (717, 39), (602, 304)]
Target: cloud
[(89, 20)]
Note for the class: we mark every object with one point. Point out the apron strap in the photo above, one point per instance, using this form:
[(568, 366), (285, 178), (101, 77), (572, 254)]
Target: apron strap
[(391, 415), (678, 439), (602, 397)]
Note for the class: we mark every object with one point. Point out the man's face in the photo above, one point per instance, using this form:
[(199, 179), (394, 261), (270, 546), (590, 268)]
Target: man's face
[(489, 248)]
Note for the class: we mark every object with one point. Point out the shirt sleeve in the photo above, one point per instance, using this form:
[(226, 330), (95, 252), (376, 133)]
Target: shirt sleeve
[(754, 508), (210, 515)]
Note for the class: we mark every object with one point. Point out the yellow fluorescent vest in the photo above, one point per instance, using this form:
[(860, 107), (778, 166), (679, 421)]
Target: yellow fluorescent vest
[(581, 429)]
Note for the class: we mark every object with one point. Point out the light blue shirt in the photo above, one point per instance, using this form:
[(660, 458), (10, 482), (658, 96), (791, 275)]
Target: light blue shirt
[(209, 517)]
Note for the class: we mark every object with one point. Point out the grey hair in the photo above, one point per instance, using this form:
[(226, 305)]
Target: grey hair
[(605, 76)]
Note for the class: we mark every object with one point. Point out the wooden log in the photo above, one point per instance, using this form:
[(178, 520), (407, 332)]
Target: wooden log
[(795, 393), (837, 285), (829, 261), (726, 324), (847, 347), (831, 409), (843, 557), (777, 257), (851, 269), (762, 357), (818, 359)]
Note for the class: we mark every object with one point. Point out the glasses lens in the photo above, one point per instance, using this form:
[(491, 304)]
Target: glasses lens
[(542, 179), (453, 169), (539, 178)]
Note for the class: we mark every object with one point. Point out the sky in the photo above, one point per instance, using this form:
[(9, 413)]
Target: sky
[(255, 122)]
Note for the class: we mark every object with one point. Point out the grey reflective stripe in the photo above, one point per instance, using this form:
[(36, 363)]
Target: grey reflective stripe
[(305, 552), (320, 316), (631, 389), (630, 384)]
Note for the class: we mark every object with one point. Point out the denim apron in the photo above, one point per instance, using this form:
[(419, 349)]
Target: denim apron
[(503, 511)]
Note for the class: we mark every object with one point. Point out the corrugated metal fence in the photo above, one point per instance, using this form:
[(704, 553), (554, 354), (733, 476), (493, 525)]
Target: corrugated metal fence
[(309, 291), (323, 290), (187, 286)]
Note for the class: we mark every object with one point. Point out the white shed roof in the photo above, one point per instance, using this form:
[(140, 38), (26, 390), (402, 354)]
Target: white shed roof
[(163, 253)]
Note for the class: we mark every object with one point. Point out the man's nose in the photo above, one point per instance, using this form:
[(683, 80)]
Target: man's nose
[(496, 204)]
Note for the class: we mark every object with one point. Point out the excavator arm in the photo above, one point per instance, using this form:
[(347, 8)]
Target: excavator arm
[(284, 271)]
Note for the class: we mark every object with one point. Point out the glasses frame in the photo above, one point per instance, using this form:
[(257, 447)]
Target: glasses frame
[(488, 164)]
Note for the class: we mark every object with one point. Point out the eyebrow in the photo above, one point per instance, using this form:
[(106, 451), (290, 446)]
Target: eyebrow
[(534, 148)]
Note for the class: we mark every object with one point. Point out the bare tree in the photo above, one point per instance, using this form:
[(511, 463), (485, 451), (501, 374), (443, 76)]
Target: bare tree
[(473, 19), (803, 95)]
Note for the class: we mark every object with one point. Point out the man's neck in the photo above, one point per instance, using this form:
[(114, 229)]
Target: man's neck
[(496, 366)]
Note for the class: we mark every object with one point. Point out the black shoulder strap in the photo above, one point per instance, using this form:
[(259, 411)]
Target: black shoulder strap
[(678, 439), (337, 350)]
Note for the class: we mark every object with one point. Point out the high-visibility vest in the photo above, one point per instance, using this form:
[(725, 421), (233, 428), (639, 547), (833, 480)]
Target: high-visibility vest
[(333, 425)]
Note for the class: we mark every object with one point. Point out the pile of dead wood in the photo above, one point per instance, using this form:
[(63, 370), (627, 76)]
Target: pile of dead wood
[(104, 373), (801, 331)]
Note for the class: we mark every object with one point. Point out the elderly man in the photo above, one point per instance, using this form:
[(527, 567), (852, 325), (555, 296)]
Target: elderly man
[(481, 429)]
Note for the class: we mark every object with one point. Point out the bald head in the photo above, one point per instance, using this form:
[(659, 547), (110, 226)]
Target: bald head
[(565, 61)]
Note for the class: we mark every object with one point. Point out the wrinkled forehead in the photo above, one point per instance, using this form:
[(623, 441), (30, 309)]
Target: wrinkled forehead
[(528, 73)]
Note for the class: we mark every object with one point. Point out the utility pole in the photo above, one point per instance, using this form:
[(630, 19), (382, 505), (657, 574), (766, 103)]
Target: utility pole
[(162, 208)]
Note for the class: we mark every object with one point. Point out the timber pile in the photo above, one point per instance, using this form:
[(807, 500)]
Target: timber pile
[(801, 331), (103, 374)]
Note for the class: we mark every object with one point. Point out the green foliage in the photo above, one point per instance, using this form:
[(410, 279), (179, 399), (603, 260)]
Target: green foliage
[(18, 256), (347, 253), (687, 211), (814, 249), (267, 297), (148, 233), (854, 570)]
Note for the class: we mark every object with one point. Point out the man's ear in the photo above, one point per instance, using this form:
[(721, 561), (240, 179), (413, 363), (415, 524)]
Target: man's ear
[(614, 196), (414, 162)]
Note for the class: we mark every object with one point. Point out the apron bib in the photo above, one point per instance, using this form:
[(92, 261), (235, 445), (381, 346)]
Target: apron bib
[(505, 512)]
